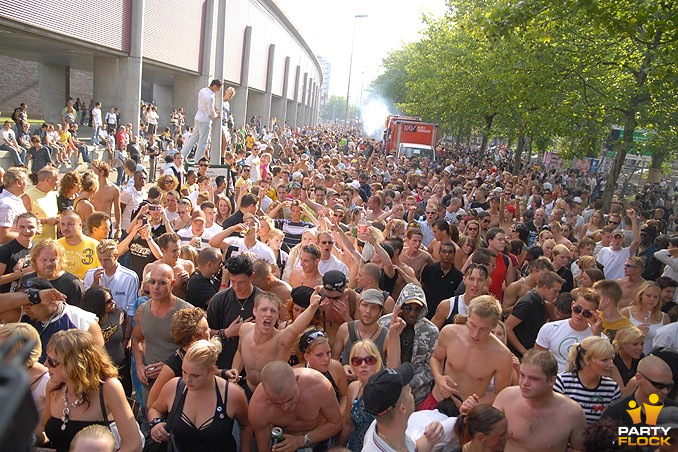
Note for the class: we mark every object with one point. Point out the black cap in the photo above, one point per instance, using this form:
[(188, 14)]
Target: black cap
[(334, 280), (382, 391), (301, 296), (38, 283)]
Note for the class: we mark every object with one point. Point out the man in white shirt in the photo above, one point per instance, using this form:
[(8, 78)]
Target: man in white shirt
[(614, 257), (176, 169), (194, 233), (96, 123), (203, 119), (247, 243), (11, 205), (211, 228), (667, 336), (131, 198), (8, 143), (559, 336), (327, 260)]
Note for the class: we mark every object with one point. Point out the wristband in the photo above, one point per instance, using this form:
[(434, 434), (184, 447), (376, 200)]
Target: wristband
[(156, 421), (33, 296)]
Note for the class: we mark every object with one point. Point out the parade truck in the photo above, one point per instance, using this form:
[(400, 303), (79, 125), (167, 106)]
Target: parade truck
[(410, 137)]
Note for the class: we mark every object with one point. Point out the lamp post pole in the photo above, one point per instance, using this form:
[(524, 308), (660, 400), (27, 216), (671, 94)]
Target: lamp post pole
[(350, 64)]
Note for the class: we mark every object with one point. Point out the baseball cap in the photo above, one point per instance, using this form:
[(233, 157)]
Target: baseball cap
[(301, 296), (334, 280), (372, 296), (38, 283), (296, 184), (355, 184), (577, 199), (198, 215), (382, 391), (619, 233)]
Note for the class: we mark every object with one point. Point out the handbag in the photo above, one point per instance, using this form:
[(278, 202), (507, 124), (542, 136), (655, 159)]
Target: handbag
[(170, 445), (111, 425)]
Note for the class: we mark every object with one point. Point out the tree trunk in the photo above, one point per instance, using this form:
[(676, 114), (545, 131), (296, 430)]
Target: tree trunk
[(629, 128), (654, 175), (486, 134), (518, 155)]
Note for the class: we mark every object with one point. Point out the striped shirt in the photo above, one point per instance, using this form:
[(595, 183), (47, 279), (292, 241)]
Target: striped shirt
[(593, 401), (293, 230)]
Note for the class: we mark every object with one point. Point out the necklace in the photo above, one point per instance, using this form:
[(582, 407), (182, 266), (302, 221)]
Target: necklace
[(242, 304), (67, 407), (361, 336)]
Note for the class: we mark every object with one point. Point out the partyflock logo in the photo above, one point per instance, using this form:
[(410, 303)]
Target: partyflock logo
[(649, 435)]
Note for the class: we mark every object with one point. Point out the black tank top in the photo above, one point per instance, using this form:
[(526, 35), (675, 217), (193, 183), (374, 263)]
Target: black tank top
[(215, 434), (61, 439)]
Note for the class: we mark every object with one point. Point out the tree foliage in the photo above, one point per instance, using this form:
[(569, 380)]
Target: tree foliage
[(563, 71)]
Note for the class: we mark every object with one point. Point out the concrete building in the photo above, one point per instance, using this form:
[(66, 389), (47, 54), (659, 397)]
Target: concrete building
[(167, 49)]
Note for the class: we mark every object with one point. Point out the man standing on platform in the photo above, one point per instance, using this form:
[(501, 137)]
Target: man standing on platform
[(203, 119)]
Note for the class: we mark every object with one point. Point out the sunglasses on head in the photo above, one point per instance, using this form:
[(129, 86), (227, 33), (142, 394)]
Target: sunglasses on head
[(369, 360), (658, 385), (308, 338), (579, 310)]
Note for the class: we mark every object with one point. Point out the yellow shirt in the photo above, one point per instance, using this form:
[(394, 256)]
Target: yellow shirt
[(81, 257), (45, 206), (610, 328)]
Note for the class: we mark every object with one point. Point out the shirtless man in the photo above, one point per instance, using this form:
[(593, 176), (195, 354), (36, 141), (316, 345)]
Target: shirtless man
[(517, 289), (107, 198), (631, 280), (260, 342), (339, 303), (308, 417), (404, 271), (413, 255), (441, 234), (264, 280), (368, 278), (485, 357), (309, 275), (538, 418), (183, 269)]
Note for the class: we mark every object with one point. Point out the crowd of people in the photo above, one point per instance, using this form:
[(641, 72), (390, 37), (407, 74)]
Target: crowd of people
[(321, 294)]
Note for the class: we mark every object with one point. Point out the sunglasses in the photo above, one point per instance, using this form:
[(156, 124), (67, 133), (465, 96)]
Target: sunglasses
[(471, 229), (579, 310), (369, 360), (327, 242), (412, 308), (160, 282), (202, 165), (431, 213), (656, 384), (486, 220), (52, 362), (616, 223)]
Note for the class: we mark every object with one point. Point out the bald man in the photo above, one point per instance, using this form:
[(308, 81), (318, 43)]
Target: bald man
[(368, 278), (308, 418), (152, 343), (655, 381), (264, 280)]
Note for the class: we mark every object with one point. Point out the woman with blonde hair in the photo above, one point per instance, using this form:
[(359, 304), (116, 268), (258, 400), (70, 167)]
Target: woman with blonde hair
[(395, 227), (184, 209), (645, 312), (628, 344), (84, 386), (83, 203), (223, 209), (472, 229), (187, 252), (585, 380), (93, 438), (207, 405), (315, 353), (365, 360), (37, 373), (596, 223), (467, 245), (483, 428), (275, 241)]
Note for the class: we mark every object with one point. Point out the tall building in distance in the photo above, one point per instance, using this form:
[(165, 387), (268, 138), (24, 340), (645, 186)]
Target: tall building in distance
[(325, 67)]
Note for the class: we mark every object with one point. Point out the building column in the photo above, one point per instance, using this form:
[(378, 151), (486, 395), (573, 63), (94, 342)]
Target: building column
[(301, 110), (295, 107), (54, 84), (279, 106), (268, 95), (239, 101)]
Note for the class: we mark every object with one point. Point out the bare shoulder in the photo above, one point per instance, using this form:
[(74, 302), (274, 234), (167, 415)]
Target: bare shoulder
[(451, 331), (508, 397), (567, 407)]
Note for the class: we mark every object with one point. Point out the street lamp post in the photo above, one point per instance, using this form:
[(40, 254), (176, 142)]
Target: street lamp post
[(350, 64)]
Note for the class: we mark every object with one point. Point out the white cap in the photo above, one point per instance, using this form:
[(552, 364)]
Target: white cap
[(577, 199), (355, 184), (548, 186), (297, 175)]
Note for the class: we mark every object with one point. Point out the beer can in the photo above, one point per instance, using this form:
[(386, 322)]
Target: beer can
[(276, 435)]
